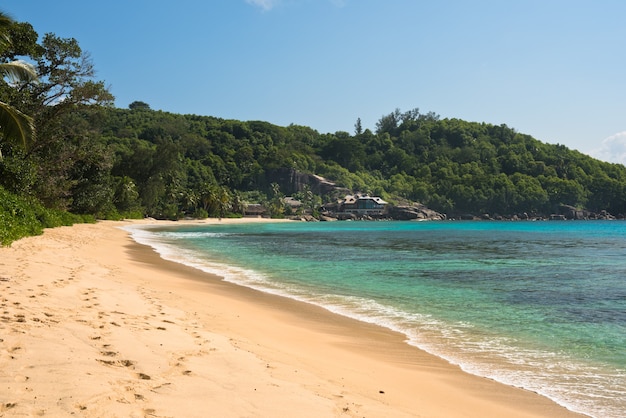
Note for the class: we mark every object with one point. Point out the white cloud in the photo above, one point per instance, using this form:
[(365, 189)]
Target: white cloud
[(268, 5), (612, 149), (264, 4)]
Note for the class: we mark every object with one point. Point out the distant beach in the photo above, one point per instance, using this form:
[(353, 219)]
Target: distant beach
[(93, 324)]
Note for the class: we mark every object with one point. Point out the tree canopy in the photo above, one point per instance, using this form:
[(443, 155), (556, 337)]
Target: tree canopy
[(451, 165)]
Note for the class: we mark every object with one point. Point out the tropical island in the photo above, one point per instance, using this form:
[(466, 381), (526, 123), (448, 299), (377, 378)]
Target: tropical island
[(67, 154)]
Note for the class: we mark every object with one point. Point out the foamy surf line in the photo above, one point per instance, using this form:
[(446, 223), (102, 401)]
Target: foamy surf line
[(421, 331)]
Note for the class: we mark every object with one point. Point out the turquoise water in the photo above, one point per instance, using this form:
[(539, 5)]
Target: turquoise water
[(539, 305)]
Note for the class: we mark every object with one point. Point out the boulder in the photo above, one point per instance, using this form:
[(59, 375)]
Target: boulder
[(413, 212), (292, 181)]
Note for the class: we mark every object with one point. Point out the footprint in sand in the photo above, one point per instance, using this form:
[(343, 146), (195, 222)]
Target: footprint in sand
[(7, 405), (123, 363)]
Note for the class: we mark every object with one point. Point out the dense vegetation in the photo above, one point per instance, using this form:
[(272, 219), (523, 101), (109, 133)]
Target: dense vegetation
[(90, 158), (450, 165), (21, 217)]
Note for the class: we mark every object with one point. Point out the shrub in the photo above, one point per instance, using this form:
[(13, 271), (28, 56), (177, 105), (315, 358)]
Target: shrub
[(21, 217)]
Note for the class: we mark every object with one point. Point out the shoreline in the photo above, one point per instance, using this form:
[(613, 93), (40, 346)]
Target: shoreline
[(174, 332)]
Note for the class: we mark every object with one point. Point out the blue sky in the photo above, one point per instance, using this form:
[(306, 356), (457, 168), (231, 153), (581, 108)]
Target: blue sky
[(553, 69)]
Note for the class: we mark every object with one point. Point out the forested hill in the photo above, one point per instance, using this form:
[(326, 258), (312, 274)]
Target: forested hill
[(450, 165), (65, 148)]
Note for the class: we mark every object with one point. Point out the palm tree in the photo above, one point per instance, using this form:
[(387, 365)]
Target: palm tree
[(14, 125), (223, 200), (238, 203)]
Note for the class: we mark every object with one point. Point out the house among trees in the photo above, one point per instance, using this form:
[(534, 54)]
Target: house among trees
[(292, 203), (255, 210), (362, 205)]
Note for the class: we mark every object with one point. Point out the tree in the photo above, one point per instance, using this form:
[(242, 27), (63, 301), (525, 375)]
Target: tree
[(276, 203), (345, 150), (137, 105), (238, 203), (389, 123), (223, 200), (65, 107), (358, 128), (14, 125)]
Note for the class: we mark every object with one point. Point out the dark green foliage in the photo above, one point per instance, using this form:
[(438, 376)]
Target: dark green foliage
[(137, 105), (188, 165), (17, 173), (448, 164), (21, 217), (17, 218)]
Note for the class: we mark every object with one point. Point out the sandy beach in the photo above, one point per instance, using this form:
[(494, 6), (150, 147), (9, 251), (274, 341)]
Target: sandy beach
[(94, 325)]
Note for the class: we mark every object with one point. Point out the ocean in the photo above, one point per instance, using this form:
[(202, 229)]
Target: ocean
[(538, 305)]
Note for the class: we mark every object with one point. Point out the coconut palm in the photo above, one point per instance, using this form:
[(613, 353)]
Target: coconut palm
[(14, 125)]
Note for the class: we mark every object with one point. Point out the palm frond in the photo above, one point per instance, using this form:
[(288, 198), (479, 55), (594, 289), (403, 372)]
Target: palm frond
[(5, 23), (16, 126), (18, 71)]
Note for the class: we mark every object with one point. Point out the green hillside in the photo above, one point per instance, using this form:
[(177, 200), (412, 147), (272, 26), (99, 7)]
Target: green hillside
[(450, 165), (89, 158)]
